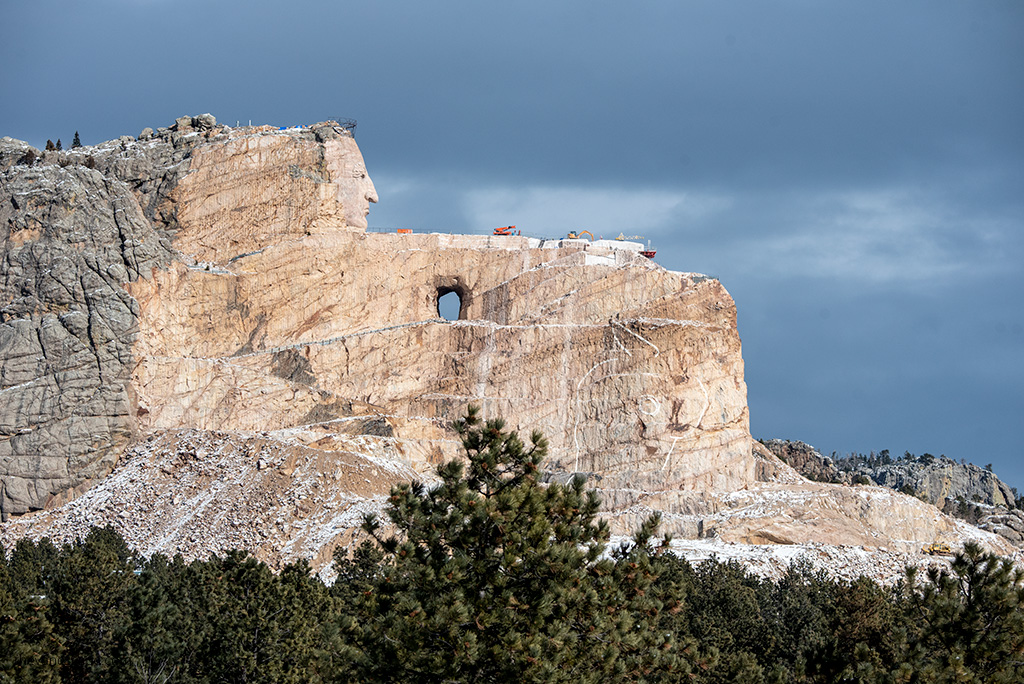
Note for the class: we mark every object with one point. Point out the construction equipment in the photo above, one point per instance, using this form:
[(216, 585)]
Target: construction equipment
[(573, 235), (403, 231), (649, 253), (507, 230), (937, 549)]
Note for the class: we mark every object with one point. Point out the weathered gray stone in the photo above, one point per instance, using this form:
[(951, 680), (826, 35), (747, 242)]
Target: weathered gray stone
[(70, 237), (935, 479), (326, 131), (146, 133), (12, 151), (183, 124), (204, 122), (806, 460)]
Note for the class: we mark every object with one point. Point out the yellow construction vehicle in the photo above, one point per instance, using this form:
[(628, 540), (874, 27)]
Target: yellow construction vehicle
[(937, 549), (573, 235)]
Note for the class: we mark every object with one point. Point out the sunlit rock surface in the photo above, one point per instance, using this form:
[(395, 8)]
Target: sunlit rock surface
[(205, 304)]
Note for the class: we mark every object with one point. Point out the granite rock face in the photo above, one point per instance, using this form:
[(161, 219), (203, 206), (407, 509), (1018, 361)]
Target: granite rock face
[(963, 490), (212, 293), (70, 238), (806, 460), (635, 377), (251, 299), (1007, 523), (943, 478), (935, 479)]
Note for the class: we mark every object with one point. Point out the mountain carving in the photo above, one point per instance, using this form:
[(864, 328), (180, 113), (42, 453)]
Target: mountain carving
[(206, 303)]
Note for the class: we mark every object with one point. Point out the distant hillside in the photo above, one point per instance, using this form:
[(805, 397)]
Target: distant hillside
[(967, 491)]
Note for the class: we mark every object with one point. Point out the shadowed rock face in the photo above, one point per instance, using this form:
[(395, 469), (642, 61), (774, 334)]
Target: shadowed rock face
[(70, 238)]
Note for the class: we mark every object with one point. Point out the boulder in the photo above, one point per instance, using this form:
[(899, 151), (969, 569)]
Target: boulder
[(204, 122), (14, 152)]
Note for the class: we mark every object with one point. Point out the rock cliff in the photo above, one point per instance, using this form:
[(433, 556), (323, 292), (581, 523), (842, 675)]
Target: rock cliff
[(70, 239), (933, 478), (204, 300), (963, 490)]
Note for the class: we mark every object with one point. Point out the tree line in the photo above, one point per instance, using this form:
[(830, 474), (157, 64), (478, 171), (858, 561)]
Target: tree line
[(493, 575)]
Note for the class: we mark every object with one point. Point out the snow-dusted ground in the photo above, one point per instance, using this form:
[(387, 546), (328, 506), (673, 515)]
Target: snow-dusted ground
[(842, 562), (196, 493)]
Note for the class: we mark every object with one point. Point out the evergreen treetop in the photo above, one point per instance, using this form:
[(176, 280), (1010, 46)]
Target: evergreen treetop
[(492, 575)]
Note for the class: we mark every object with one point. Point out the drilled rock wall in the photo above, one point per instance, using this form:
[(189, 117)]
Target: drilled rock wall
[(235, 290), (633, 372)]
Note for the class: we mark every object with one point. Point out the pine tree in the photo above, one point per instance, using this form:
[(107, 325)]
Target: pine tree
[(724, 613), (76, 142), (259, 627), (89, 589), (968, 621), (864, 637), (50, 146), (163, 629), (29, 650), (493, 576), (59, 147)]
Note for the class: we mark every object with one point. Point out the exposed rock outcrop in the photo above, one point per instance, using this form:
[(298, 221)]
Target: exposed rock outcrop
[(961, 489), (1007, 523), (208, 299), (934, 479), (806, 460), (942, 478), (70, 238), (79, 225)]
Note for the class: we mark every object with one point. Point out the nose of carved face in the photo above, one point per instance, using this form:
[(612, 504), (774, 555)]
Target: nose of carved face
[(370, 195)]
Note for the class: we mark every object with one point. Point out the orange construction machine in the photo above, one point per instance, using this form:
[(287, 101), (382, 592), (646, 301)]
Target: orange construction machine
[(506, 230)]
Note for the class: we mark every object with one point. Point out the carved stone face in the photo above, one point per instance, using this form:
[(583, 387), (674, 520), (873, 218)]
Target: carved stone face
[(355, 189)]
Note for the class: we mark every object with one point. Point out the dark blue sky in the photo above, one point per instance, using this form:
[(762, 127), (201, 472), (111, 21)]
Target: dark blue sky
[(853, 172)]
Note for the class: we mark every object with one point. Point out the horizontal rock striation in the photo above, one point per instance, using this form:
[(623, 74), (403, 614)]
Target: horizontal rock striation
[(633, 372), (205, 304)]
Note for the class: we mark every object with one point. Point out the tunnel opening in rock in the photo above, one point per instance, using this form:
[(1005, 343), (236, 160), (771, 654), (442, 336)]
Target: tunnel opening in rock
[(449, 304)]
